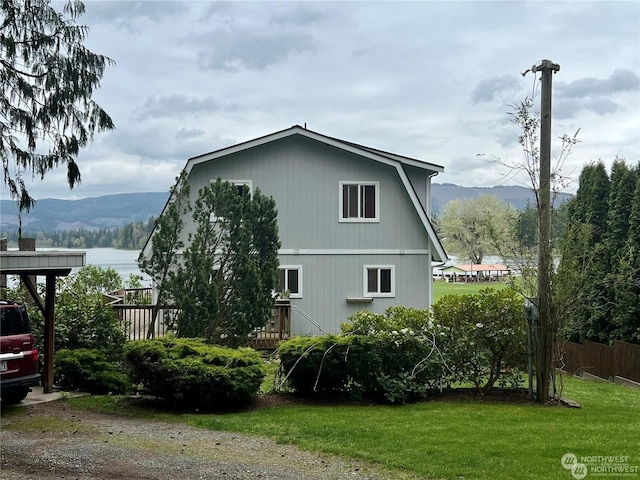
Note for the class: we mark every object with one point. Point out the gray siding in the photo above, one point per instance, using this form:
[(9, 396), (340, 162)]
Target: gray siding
[(328, 280), (303, 176), (419, 181)]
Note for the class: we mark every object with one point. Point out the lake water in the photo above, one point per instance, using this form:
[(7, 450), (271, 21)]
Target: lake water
[(125, 261)]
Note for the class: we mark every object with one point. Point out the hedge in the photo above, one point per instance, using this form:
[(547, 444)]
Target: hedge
[(194, 373), (90, 370)]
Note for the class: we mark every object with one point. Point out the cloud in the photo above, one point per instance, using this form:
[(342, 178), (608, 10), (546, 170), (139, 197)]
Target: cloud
[(569, 108), (244, 36), (185, 133), (233, 51), (490, 88), (619, 81), (600, 96), (132, 17), (297, 15), (171, 106)]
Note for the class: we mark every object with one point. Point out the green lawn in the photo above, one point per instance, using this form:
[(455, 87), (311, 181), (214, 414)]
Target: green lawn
[(440, 288), (445, 439)]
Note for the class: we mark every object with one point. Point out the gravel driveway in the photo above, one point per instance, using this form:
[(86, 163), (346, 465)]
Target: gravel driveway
[(54, 441)]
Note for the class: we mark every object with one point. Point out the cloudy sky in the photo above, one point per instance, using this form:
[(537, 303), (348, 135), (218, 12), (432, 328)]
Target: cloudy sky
[(431, 80)]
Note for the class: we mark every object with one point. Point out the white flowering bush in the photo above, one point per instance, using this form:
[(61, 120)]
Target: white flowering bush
[(483, 337), (391, 357)]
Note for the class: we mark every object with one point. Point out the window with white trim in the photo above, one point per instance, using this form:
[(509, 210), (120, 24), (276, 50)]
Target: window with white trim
[(240, 186), (359, 201), (379, 281), (290, 280)]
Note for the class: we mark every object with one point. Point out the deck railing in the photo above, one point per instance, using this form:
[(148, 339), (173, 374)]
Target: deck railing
[(277, 329), (135, 320)]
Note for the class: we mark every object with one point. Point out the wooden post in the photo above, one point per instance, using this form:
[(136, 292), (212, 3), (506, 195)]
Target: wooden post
[(545, 330), (49, 318), (3, 277)]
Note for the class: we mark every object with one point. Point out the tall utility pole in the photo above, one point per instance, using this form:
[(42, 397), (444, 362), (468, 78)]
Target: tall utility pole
[(546, 331)]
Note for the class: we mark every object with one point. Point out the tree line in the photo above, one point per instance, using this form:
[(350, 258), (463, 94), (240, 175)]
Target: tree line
[(131, 236), (598, 278), (596, 246)]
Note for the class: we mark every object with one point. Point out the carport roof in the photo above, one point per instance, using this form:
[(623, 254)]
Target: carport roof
[(14, 262)]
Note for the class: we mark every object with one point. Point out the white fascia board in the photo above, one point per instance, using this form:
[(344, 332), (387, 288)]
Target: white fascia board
[(441, 255), (386, 158), (409, 161), (372, 153)]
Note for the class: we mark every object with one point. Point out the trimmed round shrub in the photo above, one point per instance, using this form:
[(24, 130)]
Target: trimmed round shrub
[(90, 370), (194, 373)]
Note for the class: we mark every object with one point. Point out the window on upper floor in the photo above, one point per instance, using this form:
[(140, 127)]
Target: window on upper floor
[(359, 201), (290, 280), (240, 186), (379, 281)]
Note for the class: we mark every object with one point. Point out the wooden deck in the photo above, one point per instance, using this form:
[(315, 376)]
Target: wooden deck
[(135, 320), (276, 330)]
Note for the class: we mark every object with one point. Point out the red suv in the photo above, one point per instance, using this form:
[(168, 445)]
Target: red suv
[(18, 353)]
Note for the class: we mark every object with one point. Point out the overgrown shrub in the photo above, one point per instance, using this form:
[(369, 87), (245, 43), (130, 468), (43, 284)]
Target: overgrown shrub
[(393, 319), (381, 356), (483, 336), (194, 373), (90, 370), (83, 320)]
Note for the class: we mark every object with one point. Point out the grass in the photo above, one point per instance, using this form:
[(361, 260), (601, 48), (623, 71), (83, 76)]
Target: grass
[(443, 439), (440, 288)]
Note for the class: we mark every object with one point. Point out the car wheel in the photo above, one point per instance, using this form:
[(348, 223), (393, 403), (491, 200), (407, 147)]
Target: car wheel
[(14, 395)]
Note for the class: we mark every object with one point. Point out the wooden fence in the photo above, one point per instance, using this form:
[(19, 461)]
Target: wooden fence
[(620, 360)]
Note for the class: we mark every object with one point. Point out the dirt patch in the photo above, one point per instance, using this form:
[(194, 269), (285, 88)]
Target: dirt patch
[(55, 441)]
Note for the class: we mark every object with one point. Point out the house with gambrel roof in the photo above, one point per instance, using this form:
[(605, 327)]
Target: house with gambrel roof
[(354, 222)]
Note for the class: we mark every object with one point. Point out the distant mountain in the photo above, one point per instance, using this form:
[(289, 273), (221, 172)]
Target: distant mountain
[(114, 211), (443, 193), (109, 211)]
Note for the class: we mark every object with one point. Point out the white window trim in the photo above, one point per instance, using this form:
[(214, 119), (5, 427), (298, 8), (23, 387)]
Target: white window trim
[(248, 183), (367, 294), (376, 219), (299, 269)]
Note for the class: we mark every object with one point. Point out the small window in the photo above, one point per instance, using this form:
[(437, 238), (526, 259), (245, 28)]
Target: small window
[(379, 281), (240, 185), (359, 202), (242, 188), (290, 280)]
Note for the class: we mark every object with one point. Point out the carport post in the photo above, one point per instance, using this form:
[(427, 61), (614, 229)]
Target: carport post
[(49, 308)]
